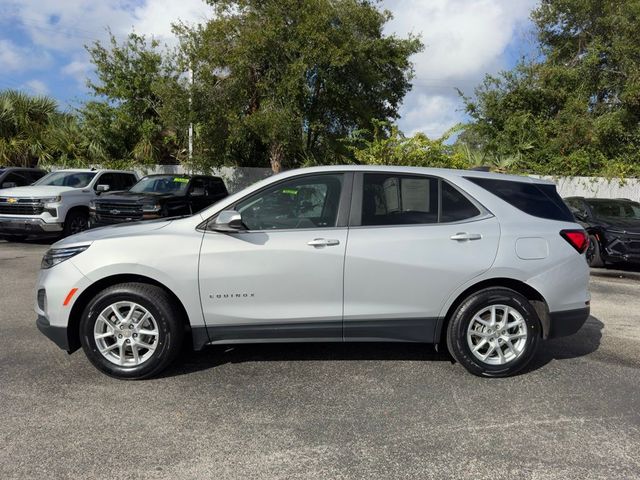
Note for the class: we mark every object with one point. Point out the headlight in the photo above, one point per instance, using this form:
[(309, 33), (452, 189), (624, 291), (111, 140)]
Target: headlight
[(54, 256), (151, 207), (50, 199)]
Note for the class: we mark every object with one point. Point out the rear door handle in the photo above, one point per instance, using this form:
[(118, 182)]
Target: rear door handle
[(323, 242), (464, 236)]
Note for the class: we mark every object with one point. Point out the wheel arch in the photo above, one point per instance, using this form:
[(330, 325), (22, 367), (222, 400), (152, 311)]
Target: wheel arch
[(535, 298), (77, 208), (73, 328)]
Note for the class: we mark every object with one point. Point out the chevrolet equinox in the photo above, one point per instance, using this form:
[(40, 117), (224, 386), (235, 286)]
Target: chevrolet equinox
[(486, 264)]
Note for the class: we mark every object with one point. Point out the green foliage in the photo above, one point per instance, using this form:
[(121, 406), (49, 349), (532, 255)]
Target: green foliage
[(576, 110), (389, 146), (280, 81), (133, 80), (24, 121)]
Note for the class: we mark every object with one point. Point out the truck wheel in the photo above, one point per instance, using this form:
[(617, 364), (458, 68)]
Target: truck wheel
[(76, 222), (494, 332), (131, 330)]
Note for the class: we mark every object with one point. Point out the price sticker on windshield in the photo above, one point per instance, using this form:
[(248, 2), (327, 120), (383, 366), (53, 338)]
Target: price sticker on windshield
[(181, 180)]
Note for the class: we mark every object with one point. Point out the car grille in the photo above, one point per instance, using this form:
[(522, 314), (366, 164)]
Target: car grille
[(20, 206), (118, 211)]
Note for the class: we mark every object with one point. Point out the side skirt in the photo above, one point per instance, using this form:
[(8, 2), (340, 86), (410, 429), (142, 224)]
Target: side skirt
[(418, 330)]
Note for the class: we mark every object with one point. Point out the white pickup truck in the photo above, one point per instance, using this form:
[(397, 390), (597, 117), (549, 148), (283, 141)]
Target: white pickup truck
[(58, 202)]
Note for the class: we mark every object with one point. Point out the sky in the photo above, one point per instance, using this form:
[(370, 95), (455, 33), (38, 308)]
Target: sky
[(42, 45)]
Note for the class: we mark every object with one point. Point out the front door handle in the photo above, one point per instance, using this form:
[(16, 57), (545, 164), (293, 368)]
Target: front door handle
[(323, 242), (464, 236)]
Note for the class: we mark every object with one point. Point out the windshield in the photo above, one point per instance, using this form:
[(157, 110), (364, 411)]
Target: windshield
[(615, 209), (161, 184), (67, 179)]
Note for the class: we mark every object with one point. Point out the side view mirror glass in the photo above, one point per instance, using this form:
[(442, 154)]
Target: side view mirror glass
[(228, 221), (102, 188)]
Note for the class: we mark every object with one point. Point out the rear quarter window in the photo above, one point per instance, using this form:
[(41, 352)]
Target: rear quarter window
[(537, 199)]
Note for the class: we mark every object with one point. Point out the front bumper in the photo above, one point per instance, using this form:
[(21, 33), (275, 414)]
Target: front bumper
[(18, 225), (567, 322), (622, 247), (57, 335)]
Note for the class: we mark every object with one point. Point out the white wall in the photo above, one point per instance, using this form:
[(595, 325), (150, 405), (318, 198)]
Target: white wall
[(597, 187)]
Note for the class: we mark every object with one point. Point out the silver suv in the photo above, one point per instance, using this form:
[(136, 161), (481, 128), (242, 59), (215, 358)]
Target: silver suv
[(485, 263)]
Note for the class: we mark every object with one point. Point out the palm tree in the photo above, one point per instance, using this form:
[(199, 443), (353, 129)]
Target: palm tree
[(23, 121)]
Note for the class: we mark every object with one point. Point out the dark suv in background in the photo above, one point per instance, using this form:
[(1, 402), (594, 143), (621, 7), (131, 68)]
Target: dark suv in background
[(19, 177), (613, 226), (157, 196)]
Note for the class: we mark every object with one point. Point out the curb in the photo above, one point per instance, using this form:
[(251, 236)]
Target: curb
[(603, 272)]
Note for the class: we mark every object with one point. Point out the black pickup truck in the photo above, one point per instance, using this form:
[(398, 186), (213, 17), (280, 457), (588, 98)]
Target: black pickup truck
[(157, 196)]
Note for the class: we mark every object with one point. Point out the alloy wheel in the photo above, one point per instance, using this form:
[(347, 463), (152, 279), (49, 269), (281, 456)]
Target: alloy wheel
[(126, 334), (497, 335)]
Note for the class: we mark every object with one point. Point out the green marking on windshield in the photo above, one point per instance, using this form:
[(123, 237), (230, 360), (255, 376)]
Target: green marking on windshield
[(181, 180), (290, 191)]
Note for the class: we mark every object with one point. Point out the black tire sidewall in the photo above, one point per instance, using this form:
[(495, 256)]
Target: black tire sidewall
[(596, 260), (169, 338), (457, 331), (69, 219)]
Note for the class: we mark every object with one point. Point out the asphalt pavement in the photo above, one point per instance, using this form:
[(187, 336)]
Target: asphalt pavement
[(321, 411)]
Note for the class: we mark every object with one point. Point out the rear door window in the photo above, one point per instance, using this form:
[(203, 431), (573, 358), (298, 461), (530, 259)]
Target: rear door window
[(392, 199), (537, 199)]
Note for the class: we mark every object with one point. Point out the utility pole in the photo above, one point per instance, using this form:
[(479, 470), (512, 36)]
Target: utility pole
[(190, 115)]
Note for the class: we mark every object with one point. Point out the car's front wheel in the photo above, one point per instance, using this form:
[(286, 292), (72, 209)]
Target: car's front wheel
[(77, 221), (494, 332), (131, 330)]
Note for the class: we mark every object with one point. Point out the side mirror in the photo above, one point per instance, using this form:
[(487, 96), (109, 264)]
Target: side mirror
[(228, 221), (102, 188)]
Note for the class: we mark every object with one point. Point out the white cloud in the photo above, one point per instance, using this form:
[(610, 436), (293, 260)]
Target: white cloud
[(16, 58), (37, 86), (70, 24), (155, 17), (464, 39), (78, 69)]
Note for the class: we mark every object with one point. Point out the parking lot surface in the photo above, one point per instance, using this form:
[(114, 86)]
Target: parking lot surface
[(360, 411)]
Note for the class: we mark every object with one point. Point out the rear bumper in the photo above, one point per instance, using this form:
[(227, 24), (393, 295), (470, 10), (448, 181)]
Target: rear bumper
[(27, 225), (57, 335), (567, 322)]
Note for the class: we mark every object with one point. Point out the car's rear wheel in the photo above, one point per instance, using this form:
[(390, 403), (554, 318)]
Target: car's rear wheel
[(131, 330), (494, 332), (594, 253)]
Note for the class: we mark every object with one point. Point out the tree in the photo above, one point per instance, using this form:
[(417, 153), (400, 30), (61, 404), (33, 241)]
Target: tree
[(281, 81), (576, 109), (125, 119), (387, 145), (24, 121)]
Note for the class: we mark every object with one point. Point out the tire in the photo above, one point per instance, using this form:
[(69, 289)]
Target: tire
[(76, 221), (468, 326), (594, 253), (159, 350)]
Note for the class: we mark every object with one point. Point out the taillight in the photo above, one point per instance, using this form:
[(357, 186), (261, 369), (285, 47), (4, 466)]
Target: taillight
[(577, 238)]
